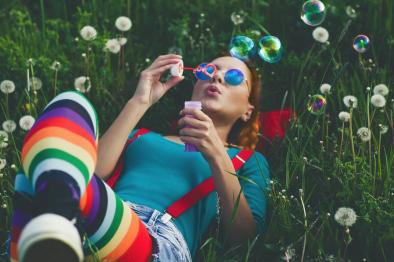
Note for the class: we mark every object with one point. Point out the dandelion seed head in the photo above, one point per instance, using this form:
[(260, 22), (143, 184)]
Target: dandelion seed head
[(344, 116), (381, 89), (56, 65), (325, 89), (113, 46), (9, 126), (345, 216), (364, 134), (350, 101), (3, 139), (238, 18), (82, 84), (122, 41), (88, 33), (7, 86), (35, 83), (378, 101), (320, 34), (26, 122), (383, 129), (3, 163), (123, 23)]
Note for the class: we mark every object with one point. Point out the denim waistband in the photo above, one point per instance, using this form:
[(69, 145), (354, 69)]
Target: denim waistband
[(152, 218)]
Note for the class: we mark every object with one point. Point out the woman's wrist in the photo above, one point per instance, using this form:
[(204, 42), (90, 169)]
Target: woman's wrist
[(138, 102)]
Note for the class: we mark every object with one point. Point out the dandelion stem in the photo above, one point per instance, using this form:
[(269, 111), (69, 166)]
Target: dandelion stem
[(351, 137), (340, 147), (369, 127), (54, 94), (379, 160), (305, 225)]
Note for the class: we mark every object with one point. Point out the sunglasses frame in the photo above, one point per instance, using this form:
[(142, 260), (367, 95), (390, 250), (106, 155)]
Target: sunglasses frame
[(203, 69)]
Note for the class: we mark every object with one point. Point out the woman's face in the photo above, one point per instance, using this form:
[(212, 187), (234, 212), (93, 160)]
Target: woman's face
[(220, 98)]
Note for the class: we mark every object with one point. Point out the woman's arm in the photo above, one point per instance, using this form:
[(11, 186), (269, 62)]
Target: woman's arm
[(149, 90), (111, 144)]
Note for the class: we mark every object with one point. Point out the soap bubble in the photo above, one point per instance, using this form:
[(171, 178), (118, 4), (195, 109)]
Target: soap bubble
[(361, 43), (271, 49), (317, 104), (313, 12), (242, 47)]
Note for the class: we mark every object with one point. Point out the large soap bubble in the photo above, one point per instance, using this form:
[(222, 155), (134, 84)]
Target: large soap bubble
[(242, 47), (313, 12), (271, 49)]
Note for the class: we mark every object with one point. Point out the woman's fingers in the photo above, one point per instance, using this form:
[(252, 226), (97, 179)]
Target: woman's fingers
[(195, 123), (162, 62), (173, 81), (164, 57), (160, 70)]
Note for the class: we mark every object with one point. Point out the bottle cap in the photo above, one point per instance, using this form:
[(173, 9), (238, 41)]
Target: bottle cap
[(193, 104), (177, 70)]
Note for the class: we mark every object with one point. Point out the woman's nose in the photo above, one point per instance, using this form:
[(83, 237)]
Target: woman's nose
[(217, 78)]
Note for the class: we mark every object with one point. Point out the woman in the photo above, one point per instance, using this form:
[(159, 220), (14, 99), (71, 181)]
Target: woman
[(72, 205)]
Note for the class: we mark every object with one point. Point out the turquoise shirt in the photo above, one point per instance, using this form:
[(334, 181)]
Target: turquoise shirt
[(158, 172)]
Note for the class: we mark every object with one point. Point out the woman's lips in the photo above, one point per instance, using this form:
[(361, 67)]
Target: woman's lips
[(212, 93)]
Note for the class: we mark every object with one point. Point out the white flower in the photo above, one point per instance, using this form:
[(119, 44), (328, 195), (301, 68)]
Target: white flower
[(35, 83), (345, 216), (364, 133), (123, 23), (3, 162), (113, 46), (9, 126), (3, 139), (381, 89), (383, 129), (26, 122), (88, 33), (320, 34), (56, 66), (350, 101), (238, 18), (7, 86), (344, 116), (82, 84), (122, 41), (378, 100), (325, 89)]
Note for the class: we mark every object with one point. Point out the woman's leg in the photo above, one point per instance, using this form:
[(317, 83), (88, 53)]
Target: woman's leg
[(59, 156)]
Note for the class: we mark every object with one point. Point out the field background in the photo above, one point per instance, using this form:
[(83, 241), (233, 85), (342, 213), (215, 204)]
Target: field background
[(300, 223)]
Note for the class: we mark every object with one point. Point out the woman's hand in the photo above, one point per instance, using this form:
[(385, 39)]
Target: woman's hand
[(149, 89), (200, 132)]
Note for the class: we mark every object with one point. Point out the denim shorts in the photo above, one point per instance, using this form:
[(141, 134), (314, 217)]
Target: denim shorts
[(169, 243)]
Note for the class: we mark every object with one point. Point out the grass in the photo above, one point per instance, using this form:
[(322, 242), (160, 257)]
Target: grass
[(319, 166)]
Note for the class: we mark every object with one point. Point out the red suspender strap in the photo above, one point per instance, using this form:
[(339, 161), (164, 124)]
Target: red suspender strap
[(120, 165), (203, 189)]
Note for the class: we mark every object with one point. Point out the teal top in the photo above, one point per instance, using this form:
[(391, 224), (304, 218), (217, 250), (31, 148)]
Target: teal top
[(158, 172)]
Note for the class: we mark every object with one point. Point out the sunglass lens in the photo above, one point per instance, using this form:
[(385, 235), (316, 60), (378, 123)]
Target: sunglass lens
[(200, 72), (234, 77)]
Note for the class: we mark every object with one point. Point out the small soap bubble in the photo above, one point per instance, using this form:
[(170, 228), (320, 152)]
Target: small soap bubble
[(361, 43), (271, 49), (313, 12), (242, 47), (317, 104)]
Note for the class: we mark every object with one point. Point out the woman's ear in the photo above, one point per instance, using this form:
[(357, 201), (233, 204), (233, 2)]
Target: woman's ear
[(248, 113)]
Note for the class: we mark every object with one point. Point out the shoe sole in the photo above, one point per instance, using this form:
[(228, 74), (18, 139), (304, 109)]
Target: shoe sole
[(50, 234)]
